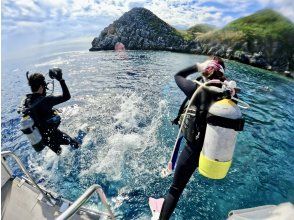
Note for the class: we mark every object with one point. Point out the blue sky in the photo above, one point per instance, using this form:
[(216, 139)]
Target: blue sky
[(26, 23)]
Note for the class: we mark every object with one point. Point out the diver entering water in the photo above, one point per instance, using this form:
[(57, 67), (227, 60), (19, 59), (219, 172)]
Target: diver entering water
[(40, 121), (194, 131)]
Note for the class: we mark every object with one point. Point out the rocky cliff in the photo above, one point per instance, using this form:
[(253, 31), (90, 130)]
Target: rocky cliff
[(264, 39), (140, 29)]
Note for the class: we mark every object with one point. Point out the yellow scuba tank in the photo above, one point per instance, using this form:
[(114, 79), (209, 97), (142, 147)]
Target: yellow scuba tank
[(27, 126), (224, 120)]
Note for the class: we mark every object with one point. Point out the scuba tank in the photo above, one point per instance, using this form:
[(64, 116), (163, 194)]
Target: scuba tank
[(27, 126), (224, 120)]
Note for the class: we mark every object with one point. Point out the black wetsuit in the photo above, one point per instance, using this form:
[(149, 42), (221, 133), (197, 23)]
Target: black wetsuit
[(188, 159), (43, 111)]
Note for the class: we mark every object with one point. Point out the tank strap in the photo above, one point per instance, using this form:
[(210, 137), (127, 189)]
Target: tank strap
[(27, 131), (236, 124)]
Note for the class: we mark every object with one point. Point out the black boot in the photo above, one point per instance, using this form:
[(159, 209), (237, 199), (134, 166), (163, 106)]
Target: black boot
[(75, 144)]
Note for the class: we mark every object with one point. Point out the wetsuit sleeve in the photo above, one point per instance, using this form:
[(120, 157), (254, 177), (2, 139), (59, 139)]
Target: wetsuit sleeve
[(187, 86), (55, 100)]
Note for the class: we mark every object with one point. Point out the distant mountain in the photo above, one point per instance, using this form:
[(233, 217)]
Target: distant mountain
[(264, 39), (140, 29), (201, 28)]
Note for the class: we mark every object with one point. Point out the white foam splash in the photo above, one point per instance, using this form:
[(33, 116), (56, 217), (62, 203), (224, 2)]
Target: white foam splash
[(47, 162), (70, 111), (112, 162), (127, 117), (128, 137)]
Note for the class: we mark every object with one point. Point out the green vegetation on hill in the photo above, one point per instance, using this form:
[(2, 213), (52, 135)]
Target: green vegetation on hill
[(201, 28), (195, 31), (185, 35), (265, 33), (263, 25)]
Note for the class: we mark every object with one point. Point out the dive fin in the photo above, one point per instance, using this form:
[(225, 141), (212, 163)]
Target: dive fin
[(82, 132), (155, 206)]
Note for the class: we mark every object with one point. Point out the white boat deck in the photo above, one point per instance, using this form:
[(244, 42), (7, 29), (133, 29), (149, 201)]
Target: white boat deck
[(22, 201)]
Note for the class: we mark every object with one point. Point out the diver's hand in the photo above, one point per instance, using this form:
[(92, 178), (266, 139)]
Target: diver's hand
[(55, 73), (202, 66), (58, 76)]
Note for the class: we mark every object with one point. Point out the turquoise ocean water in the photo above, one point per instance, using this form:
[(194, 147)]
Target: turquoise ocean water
[(127, 100)]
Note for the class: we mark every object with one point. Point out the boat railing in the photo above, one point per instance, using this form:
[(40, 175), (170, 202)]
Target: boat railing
[(24, 170), (71, 210)]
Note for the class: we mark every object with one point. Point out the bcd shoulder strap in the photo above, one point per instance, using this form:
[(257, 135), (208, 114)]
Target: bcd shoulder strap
[(183, 106), (30, 107)]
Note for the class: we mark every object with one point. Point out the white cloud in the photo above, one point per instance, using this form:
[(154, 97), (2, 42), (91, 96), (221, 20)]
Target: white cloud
[(175, 12), (54, 4), (187, 13), (59, 19)]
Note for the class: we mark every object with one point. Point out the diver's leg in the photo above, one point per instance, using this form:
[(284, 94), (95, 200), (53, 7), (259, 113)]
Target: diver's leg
[(186, 165), (49, 140), (53, 145), (55, 148), (65, 139)]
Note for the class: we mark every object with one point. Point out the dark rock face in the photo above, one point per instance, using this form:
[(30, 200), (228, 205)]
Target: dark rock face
[(140, 29), (270, 56)]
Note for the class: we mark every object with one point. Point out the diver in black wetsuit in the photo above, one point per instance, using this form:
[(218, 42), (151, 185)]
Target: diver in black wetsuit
[(188, 159), (46, 118)]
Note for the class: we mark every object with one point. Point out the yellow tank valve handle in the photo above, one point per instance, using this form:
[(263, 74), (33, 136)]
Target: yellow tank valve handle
[(26, 117)]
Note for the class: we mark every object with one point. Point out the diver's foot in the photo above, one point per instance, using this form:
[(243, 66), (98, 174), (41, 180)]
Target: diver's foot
[(75, 144), (59, 151)]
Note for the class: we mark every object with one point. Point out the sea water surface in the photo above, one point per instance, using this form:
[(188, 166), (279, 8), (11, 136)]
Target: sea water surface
[(126, 101)]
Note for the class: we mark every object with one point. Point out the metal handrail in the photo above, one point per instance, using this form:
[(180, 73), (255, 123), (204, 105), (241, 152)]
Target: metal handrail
[(82, 199), (22, 167)]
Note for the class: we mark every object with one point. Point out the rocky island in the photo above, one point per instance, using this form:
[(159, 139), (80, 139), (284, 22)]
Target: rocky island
[(264, 39)]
